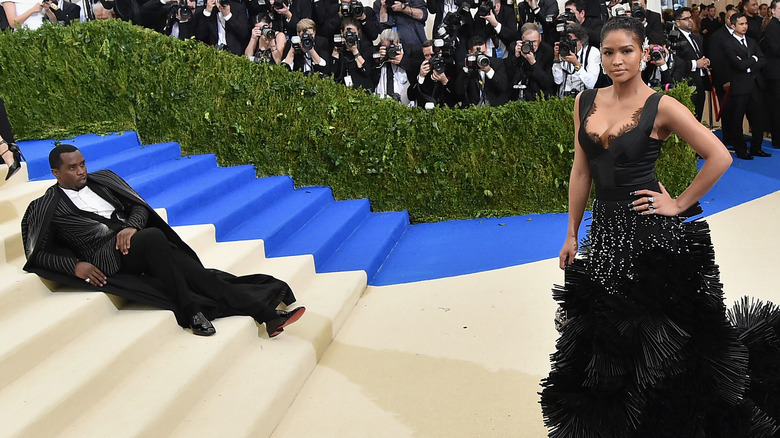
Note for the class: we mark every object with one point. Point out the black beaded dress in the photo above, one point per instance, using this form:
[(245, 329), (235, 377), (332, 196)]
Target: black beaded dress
[(646, 348)]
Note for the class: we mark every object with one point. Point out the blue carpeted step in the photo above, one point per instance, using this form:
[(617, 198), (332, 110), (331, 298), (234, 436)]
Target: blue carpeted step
[(368, 247), (200, 189), (282, 219), (240, 205), (322, 235), (92, 146), (160, 176), (129, 161)]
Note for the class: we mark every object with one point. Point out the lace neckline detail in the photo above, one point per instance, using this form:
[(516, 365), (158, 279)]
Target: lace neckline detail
[(628, 127)]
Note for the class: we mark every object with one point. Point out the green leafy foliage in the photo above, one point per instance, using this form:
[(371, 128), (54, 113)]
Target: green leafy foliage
[(439, 164)]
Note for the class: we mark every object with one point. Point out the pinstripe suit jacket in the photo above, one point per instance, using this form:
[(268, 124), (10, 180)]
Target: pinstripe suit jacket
[(57, 234)]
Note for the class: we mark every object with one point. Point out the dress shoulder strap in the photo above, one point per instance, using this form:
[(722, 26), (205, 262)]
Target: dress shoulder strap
[(649, 111), (587, 97)]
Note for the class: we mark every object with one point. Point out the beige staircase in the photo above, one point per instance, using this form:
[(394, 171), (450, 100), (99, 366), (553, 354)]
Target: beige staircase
[(85, 364)]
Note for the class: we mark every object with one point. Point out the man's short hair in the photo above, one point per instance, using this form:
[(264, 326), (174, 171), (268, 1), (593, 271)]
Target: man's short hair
[(729, 7), (427, 43), (736, 17), (657, 38), (772, 4), (306, 24), (55, 156), (579, 4), (527, 27), (389, 35), (347, 21), (679, 12), (474, 41), (579, 32)]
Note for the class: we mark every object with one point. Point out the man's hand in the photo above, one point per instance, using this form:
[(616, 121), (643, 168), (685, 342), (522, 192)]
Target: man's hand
[(491, 18), (87, 271), (440, 77), (571, 59), (425, 68), (210, 5), (398, 6), (224, 9), (702, 62), (123, 239), (533, 4)]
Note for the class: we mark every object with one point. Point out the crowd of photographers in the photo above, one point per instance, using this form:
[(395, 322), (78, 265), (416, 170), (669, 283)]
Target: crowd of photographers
[(480, 52)]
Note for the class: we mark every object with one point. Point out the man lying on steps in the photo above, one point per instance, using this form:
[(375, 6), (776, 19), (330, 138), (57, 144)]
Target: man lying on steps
[(93, 230)]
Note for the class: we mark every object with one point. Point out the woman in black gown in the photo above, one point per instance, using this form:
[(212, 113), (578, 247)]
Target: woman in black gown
[(8, 149), (646, 348)]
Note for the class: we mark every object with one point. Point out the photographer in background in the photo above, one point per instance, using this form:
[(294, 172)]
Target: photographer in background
[(529, 66), (66, 12), (306, 52), (433, 85), (541, 12), (265, 44), (660, 63), (352, 57), (285, 14), (224, 25), (483, 80), (353, 9), (576, 10), (651, 19), (394, 68), (455, 28), (497, 25), (176, 18), (576, 64), (407, 17)]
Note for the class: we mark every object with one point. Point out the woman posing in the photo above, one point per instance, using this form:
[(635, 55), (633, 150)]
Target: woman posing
[(645, 349)]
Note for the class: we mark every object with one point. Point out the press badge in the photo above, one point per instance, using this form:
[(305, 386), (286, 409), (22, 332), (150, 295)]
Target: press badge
[(348, 80)]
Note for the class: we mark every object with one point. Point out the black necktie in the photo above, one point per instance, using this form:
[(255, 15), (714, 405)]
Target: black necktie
[(389, 87), (744, 43), (695, 46)]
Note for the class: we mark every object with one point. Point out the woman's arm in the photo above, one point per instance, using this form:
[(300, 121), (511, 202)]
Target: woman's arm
[(674, 117), (579, 190), (16, 20)]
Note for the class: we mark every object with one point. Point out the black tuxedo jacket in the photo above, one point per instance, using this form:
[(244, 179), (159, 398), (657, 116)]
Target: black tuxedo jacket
[(719, 67), (771, 49), (345, 65), (237, 29), (654, 24), (434, 91), (321, 46), (496, 90), (319, 11), (687, 53), (370, 27), (547, 9), (158, 16), (68, 13), (754, 27), (537, 78), (740, 59), (506, 16)]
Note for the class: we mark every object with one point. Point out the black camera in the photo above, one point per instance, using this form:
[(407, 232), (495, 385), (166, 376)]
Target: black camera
[(353, 8), (391, 51), (268, 32), (281, 4), (526, 47), (485, 9), (182, 8), (351, 38), (657, 53), (445, 46), (673, 35), (476, 61), (438, 63), (638, 12), (566, 45), (307, 41), (568, 15)]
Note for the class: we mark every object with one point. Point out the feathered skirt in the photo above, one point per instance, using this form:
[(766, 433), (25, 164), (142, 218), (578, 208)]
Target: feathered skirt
[(646, 348)]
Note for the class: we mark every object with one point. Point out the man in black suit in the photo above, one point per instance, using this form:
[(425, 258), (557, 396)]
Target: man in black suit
[(750, 9), (694, 62), (171, 18), (719, 72), (745, 61), (652, 19), (286, 14), (352, 59), (224, 24), (496, 24), (529, 66), (772, 70), (434, 84), (94, 231), (709, 25), (483, 80), (306, 51), (66, 12), (364, 17)]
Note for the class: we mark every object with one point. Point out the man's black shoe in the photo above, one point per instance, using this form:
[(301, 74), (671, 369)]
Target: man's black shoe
[(760, 154), (201, 326), (277, 325), (744, 156)]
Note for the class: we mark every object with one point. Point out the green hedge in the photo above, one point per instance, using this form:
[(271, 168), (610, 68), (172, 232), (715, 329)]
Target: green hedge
[(438, 164)]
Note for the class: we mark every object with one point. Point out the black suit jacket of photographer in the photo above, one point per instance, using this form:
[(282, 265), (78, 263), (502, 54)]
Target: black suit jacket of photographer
[(506, 16), (345, 65), (434, 91), (593, 27), (68, 13), (496, 90), (537, 78), (321, 46), (236, 29), (158, 17), (369, 27), (653, 20), (545, 17)]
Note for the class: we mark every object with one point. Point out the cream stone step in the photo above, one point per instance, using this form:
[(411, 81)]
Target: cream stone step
[(31, 333), (11, 248), (19, 288), (254, 394), (154, 397), (16, 198), (73, 378), (18, 179)]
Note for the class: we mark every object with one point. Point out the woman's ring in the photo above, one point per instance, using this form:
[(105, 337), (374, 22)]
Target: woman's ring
[(650, 200), (87, 280), (651, 210)]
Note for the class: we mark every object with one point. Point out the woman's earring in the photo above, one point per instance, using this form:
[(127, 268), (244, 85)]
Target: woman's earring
[(603, 70), (642, 65)]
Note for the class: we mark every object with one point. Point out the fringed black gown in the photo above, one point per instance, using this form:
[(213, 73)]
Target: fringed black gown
[(646, 349)]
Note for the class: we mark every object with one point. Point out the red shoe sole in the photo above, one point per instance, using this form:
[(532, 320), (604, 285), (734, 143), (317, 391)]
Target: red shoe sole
[(294, 317)]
